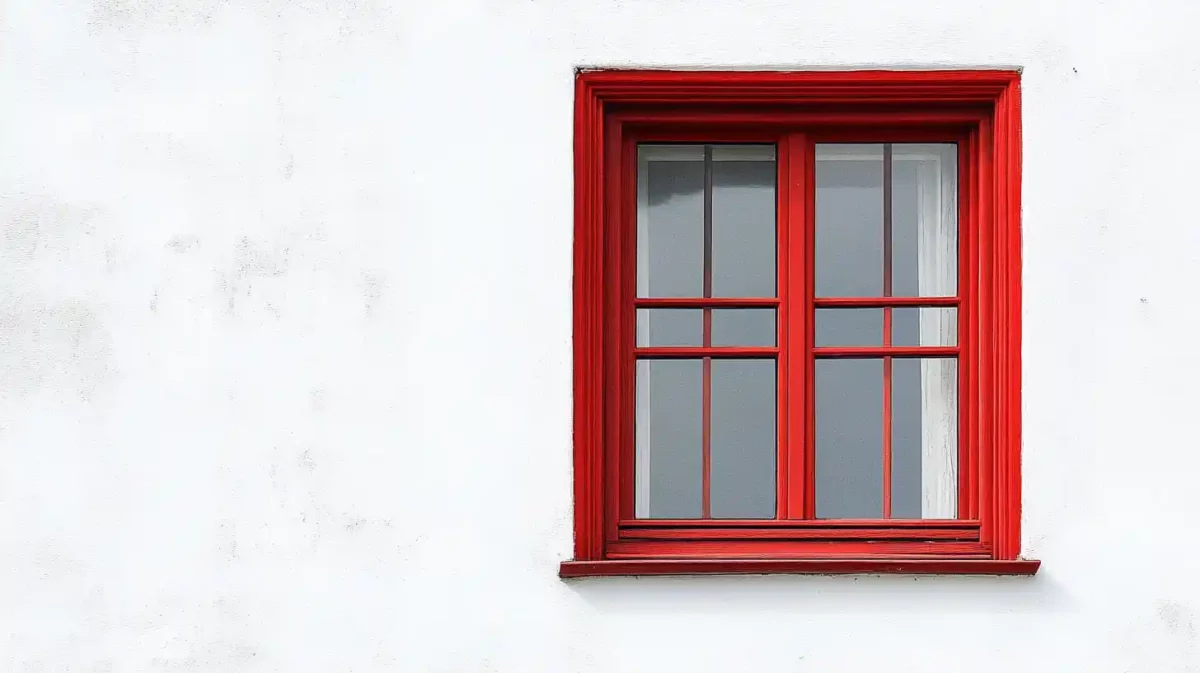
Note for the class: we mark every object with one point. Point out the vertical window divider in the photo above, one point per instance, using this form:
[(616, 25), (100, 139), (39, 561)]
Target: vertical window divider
[(783, 236), (797, 304), (706, 411), (887, 331)]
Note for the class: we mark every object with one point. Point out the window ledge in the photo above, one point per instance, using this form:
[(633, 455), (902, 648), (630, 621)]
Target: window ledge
[(570, 569)]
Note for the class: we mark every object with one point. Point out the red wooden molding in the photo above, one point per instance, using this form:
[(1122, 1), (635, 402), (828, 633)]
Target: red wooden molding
[(979, 110), (570, 569)]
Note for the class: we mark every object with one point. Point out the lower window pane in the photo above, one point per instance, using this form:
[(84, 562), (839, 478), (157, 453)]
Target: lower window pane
[(743, 439), (849, 428), (924, 438), (668, 439)]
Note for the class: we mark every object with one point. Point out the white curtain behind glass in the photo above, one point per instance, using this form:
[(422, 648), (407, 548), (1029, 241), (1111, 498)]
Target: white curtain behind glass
[(937, 270)]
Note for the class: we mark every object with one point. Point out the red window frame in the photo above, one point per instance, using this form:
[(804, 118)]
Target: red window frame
[(978, 110)]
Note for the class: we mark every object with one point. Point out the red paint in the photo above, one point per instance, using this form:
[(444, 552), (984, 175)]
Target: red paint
[(706, 302), (798, 566), (885, 351), (662, 352), (883, 302), (887, 331), (617, 109)]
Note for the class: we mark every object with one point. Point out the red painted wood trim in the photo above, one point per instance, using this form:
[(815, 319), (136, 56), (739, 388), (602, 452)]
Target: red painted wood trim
[(883, 302), (783, 261), (570, 569), (587, 328), (822, 548), (798, 327), (623, 468), (663, 352), (706, 302), (887, 332), (706, 341), (981, 109), (919, 124), (830, 524), (782, 533), (885, 351)]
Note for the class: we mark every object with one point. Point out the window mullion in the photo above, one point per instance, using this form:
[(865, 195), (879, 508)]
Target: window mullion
[(796, 221)]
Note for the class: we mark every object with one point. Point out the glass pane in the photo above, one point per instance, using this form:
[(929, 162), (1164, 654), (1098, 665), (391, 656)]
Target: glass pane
[(849, 220), (924, 438), (670, 327), (849, 469), (743, 221), (924, 220), (670, 221), (743, 327), (743, 439), (668, 439), (849, 327), (850, 246), (928, 326)]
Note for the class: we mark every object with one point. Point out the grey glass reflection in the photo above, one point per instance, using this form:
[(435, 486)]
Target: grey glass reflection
[(906, 438), (849, 429), (743, 221), (668, 439), (849, 220), (924, 393), (670, 245), (742, 451), (926, 326), (670, 327), (849, 327), (743, 327), (924, 219)]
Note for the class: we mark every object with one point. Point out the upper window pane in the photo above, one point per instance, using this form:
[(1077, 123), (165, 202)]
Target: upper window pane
[(670, 221), (706, 220), (743, 221), (886, 220)]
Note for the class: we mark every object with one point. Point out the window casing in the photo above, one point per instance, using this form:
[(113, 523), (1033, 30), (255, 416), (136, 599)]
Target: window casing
[(960, 133)]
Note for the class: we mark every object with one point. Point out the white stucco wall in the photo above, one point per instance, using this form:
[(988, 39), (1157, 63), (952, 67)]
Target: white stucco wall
[(285, 341)]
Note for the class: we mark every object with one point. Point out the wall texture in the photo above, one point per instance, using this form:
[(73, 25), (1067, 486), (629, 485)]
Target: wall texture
[(285, 341)]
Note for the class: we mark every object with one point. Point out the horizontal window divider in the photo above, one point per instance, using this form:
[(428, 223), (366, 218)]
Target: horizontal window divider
[(831, 352), (839, 566), (884, 302), (665, 353), (796, 548), (801, 523), (777, 533), (706, 302)]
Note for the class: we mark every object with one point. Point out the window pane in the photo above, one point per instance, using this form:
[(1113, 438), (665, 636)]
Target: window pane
[(924, 438), (850, 246), (924, 220), (743, 327), (849, 418), (743, 221), (743, 439), (668, 439), (849, 220), (670, 327), (849, 327), (928, 326), (670, 221), (671, 213)]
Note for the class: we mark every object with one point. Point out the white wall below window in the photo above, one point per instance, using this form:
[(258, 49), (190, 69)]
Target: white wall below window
[(285, 351)]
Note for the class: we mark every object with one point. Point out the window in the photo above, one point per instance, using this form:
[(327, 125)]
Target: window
[(797, 323)]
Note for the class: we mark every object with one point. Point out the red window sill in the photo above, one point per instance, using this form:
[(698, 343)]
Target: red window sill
[(570, 569)]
